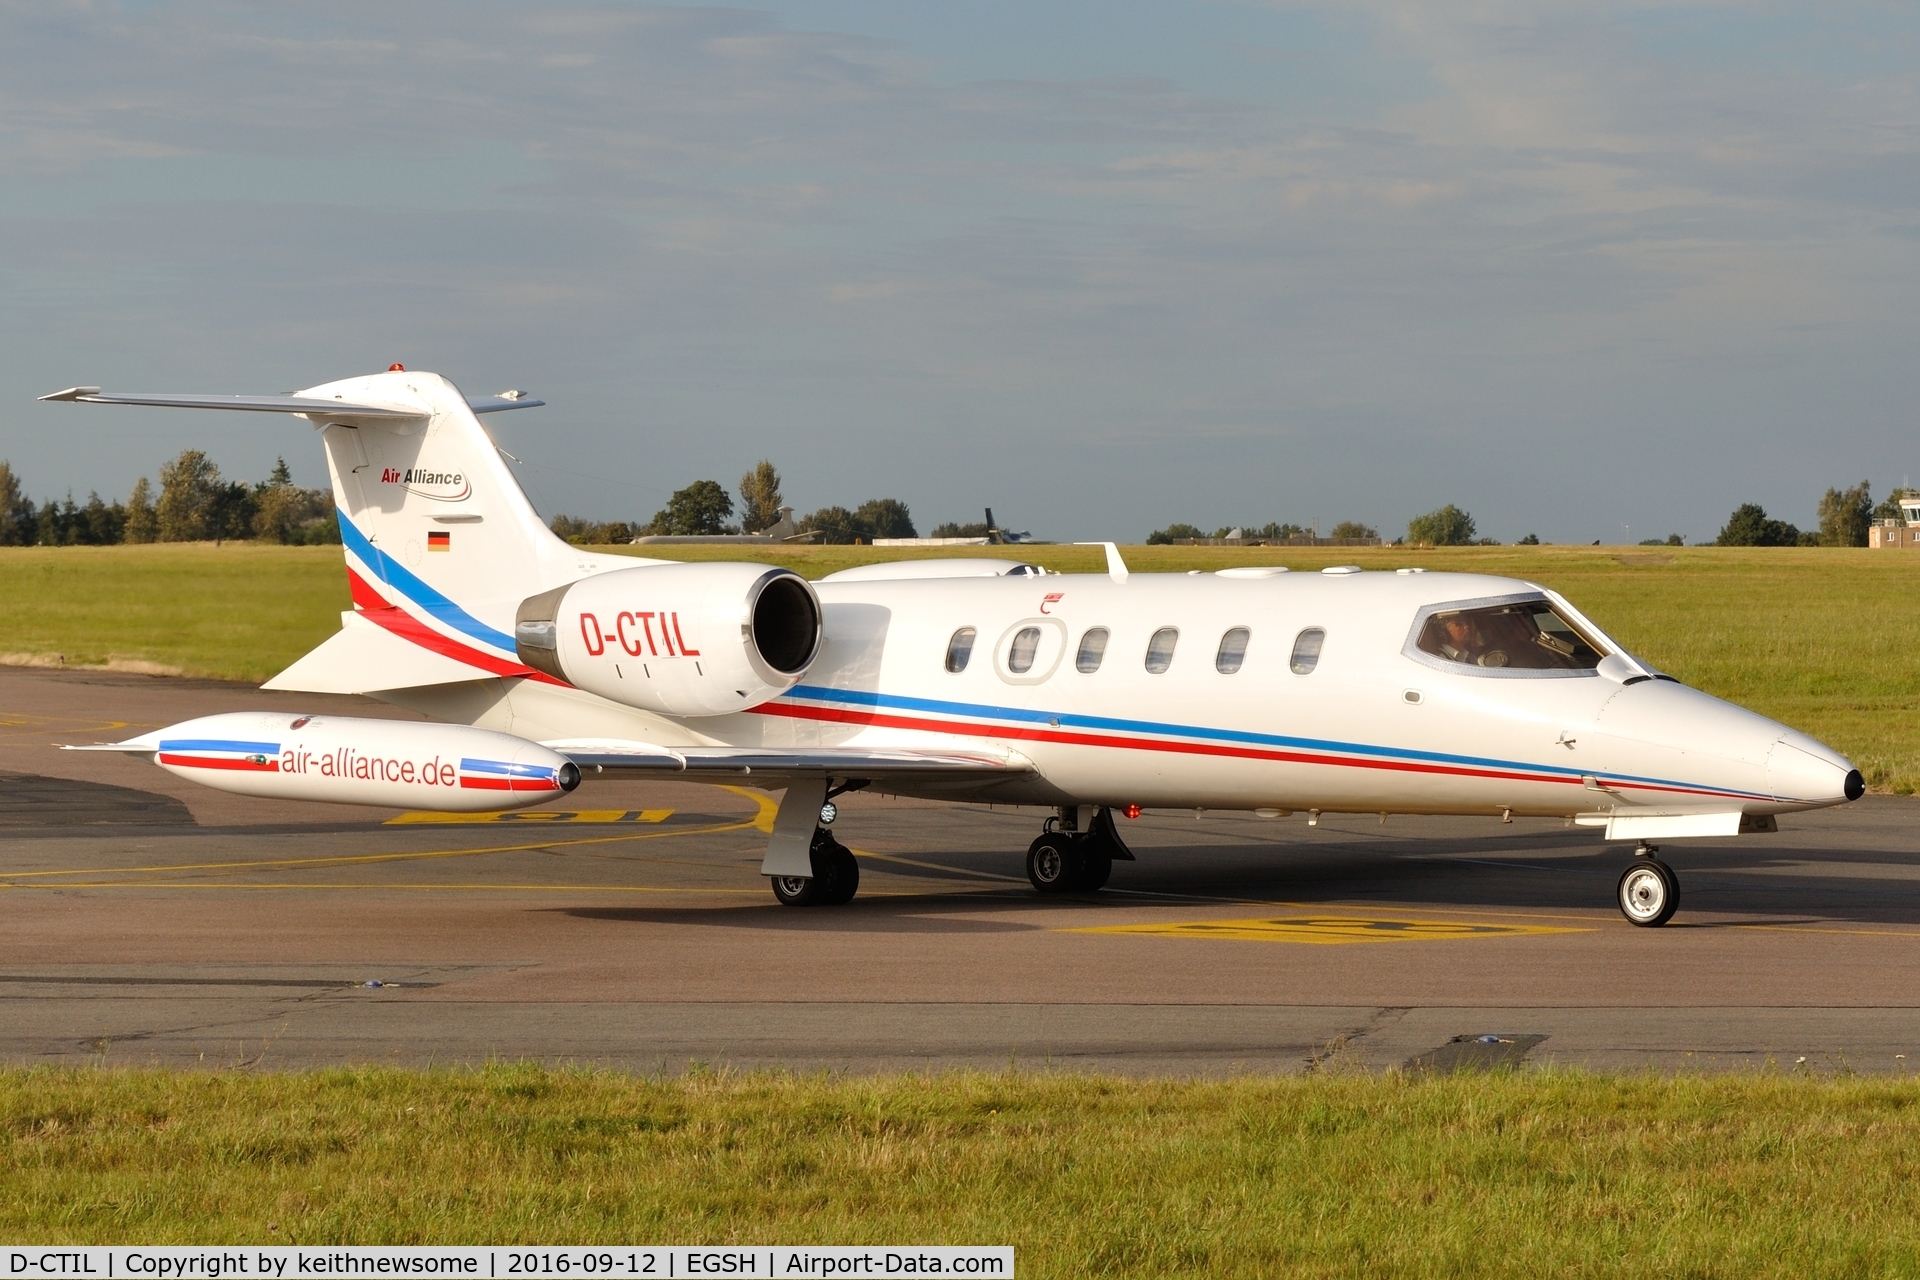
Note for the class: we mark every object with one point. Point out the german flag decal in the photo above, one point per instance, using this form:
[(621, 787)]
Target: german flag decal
[(439, 542)]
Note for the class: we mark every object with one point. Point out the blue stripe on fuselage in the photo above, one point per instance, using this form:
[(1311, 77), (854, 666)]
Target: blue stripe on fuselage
[(510, 770), (1062, 719), (220, 744)]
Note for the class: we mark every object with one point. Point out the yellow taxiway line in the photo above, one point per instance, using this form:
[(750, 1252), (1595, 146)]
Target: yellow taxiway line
[(1327, 930), (762, 820)]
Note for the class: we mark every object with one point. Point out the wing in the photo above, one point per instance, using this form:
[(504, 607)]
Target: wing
[(774, 766), (287, 404)]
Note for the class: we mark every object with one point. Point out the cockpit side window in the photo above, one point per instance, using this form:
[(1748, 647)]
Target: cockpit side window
[(1523, 635)]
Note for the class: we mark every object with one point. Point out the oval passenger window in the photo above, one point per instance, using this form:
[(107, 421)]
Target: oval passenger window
[(960, 649), (1233, 651), (1160, 649), (1093, 647), (1026, 643), (1306, 650)]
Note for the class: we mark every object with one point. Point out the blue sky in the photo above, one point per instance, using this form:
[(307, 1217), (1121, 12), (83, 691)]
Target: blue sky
[(1577, 268)]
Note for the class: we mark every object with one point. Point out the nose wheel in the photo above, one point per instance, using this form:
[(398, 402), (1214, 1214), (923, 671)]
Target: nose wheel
[(1649, 892)]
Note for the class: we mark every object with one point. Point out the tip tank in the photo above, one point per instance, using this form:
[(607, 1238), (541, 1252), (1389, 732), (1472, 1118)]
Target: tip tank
[(346, 760)]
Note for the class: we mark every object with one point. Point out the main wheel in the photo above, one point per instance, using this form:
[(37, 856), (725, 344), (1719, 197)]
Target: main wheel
[(796, 891), (835, 878), (1649, 892), (1094, 870), (1054, 863), (840, 871)]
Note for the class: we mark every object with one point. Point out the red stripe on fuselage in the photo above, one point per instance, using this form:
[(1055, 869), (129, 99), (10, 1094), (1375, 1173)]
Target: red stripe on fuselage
[(841, 715), (221, 762), (508, 784), (375, 609)]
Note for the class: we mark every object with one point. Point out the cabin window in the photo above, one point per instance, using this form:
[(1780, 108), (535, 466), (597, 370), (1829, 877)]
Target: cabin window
[(1306, 651), (1233, 651), (960, 649), (1525, 636), (1160, 650), (1093, 647), (1026, 643)]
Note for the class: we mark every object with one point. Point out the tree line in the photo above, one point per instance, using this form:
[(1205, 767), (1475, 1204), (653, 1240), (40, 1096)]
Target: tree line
[(1269, 532), (1845, 516), (195, 504), (705, 509)]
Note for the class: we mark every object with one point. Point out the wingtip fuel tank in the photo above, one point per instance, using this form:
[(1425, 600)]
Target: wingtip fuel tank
[(349, 760)]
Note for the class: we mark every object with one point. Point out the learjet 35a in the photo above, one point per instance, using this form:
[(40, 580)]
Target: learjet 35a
[(1403, 692)]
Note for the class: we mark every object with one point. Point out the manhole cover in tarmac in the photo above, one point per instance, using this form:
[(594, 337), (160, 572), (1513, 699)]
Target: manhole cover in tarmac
[(1484, 1051), (1324, 930)]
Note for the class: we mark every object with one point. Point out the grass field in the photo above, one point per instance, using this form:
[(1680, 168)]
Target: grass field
[(1825, 640), (1513, 1174)]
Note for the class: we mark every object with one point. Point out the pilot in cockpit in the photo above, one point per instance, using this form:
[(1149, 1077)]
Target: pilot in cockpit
[(1457, 638)]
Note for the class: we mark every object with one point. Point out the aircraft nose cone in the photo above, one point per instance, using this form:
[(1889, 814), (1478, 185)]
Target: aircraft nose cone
[(1807, 772)]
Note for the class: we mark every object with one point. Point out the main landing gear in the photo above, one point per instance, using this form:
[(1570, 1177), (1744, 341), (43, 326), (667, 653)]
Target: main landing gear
[(1649, 892), (835, 878), (1065, 860)]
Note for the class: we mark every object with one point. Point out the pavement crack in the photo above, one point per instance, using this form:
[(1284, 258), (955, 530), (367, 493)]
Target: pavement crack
[(1347, 1051)]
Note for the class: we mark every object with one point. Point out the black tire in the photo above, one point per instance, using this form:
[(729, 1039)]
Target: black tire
[(1094, 870), (835, 878), (841, 874), (1054, 863), (1649, 893)]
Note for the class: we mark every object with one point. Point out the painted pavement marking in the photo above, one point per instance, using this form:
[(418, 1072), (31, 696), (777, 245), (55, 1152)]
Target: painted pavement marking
[(1328, 930), (571, 817)]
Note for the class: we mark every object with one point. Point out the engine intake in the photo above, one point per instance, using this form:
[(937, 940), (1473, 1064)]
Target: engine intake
[(681, 639)]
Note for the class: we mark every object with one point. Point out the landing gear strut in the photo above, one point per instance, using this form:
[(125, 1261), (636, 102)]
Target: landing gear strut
[(1063, 860), (1649, 892), (835, 878)]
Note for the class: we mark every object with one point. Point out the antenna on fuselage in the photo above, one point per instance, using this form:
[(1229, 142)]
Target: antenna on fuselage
[(1116, 567)]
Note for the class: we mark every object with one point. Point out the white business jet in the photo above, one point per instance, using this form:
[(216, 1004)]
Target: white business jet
[(979, 680)]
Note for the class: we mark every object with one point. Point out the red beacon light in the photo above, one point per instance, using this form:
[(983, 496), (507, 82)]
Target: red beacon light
[(1132, 811), (396, 368)]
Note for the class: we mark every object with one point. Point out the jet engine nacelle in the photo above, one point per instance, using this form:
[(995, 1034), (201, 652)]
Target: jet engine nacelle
[(680, 639), (398, 763)]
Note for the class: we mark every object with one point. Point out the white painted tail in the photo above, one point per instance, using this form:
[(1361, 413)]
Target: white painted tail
[(442, 544)]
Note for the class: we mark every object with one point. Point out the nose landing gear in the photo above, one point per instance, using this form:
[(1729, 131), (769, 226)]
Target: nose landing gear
[(1063, 860), (1649, 892)]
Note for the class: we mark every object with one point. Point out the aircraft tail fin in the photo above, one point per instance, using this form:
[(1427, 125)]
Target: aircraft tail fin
[(442, 544)]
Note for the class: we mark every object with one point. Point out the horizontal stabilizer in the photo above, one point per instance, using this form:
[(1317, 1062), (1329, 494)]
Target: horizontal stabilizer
[(364, 658), (288, 404), (505, 400), (253, 404)]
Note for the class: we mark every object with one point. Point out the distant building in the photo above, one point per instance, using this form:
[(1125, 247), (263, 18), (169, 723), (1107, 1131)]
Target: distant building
[(1896, 533)]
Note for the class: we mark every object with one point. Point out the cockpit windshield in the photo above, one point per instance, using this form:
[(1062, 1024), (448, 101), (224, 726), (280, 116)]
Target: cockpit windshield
[(1526, 635)]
